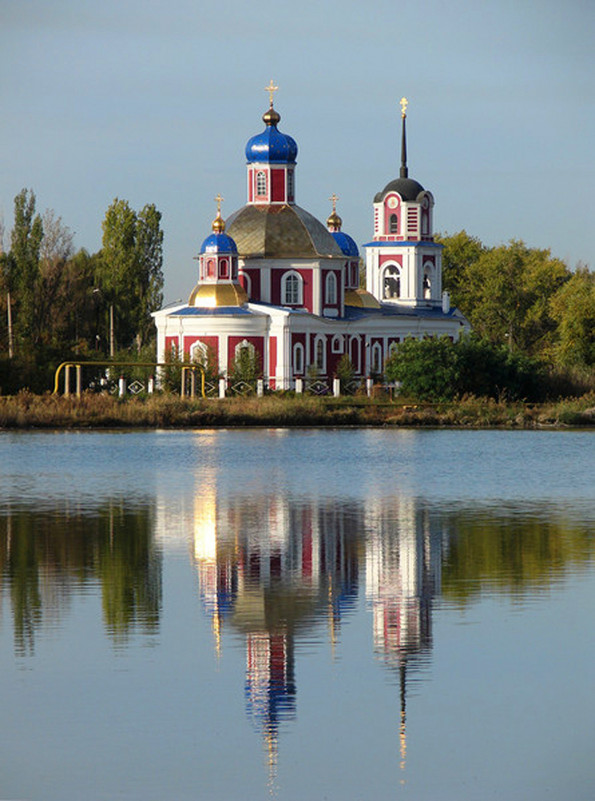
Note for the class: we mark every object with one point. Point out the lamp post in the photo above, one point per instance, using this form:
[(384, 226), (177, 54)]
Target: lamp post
[(98, 291)]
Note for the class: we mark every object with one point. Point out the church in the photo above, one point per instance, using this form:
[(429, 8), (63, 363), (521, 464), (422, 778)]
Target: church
[(277, 285)]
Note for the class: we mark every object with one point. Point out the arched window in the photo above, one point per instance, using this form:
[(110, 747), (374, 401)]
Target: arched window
[(427, 286), (392, 283), (376, 360), (298, 358), (246, 283), (320, 354), (211, 268), (331, 288), (245, 350), (261, 183), (393, 224), (354, 353), (292, 289), (224, 268), (337, 344), (199, 353)]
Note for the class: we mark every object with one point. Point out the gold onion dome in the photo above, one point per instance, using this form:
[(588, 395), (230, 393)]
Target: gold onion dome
[(211, 296), (334, 221), (271, 117), (218, 224)]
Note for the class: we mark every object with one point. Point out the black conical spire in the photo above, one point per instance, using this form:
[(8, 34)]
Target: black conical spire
[(404, 172)]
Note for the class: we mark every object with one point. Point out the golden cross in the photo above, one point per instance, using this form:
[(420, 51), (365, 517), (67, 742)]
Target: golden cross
[(271, 89), (218, 201), (404, 104), (334, 199)]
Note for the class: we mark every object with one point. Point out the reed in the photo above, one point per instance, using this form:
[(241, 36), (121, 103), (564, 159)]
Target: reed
[(27, 410)]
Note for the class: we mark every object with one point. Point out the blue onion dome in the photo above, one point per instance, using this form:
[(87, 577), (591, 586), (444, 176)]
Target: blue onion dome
[(271, 145), (218, 241), (346, 243)]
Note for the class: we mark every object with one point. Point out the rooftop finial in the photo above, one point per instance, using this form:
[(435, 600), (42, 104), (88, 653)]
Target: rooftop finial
[(218, 222), (334, 222), (404, 172), (271, 89)]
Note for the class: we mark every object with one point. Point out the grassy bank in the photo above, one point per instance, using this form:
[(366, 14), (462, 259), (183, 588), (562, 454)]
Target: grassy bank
[(26, 410)]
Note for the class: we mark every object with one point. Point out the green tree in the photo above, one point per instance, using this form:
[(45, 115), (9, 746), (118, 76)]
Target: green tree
[(425, 368), (507, 296), (22, 267), (459, 254), (130, 274), (437, 369), (573, 309)]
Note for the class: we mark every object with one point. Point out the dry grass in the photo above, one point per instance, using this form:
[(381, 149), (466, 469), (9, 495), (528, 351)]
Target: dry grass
[(27, 410)]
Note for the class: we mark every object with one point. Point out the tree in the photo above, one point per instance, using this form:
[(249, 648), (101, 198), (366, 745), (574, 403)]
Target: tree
[(22, 268), (149, 247), (573, 309), (55, 251), (437, 369), (505, 293), (459, 254), (130, 274)]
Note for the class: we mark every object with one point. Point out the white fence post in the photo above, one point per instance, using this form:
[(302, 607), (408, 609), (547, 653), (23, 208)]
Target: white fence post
[(122, 386), (259, 387), (222, 387), (336, 387)]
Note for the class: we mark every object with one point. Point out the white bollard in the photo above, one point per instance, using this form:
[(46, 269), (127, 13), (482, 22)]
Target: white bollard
[(336, 387), (222, 387), (369, 385), (151, 385), (299, 386), (122, 386), (259, 387)]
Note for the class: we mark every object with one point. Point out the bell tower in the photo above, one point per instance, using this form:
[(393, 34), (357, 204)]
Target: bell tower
[(403, 263)]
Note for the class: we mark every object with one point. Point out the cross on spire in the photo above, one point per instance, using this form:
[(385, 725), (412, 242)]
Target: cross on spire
[(333, 198), (218, 200), (404, 103), (271, 89)]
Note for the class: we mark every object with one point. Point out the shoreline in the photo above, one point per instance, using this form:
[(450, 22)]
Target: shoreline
[(26, 411)]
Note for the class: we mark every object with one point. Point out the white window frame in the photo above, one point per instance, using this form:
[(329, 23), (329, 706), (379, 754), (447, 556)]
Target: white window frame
[(376, 358), (392, 270), (337, 344), (247, 282), (260, 182), (200, 350), (330, 289), (320, 364), (244, 344), (292, 295), (298, 359)]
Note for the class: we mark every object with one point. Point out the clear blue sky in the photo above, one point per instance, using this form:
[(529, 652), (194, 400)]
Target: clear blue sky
[(154, 101)]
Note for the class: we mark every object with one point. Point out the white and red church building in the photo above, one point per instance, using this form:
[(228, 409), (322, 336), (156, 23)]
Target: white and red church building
[(276, 281)]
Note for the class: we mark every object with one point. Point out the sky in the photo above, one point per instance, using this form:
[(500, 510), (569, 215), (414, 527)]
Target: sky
[(154, 101)]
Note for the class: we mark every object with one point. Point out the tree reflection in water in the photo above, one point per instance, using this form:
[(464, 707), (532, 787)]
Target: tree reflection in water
[(46, 556)]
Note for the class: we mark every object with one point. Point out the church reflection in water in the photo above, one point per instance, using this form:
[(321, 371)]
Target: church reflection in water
[(273, 569)]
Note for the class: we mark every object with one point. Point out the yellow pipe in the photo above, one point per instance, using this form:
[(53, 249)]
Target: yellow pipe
[(78, 364)]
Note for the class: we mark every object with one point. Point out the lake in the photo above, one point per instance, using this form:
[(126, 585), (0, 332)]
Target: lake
[(297, 614)]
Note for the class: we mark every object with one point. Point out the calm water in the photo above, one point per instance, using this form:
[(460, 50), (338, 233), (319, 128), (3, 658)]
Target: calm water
[(353, 614)]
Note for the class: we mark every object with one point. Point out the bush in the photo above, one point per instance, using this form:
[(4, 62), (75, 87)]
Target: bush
[(436, 369)]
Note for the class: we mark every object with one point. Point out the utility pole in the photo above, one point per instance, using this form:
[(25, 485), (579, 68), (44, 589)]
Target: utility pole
[(9, 315), (111, 331)]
